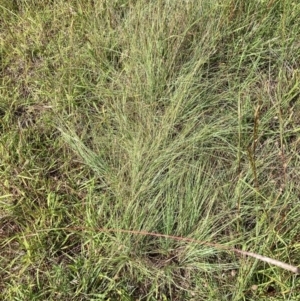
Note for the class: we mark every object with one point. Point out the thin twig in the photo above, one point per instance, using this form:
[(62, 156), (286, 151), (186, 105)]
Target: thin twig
[(269, 260)]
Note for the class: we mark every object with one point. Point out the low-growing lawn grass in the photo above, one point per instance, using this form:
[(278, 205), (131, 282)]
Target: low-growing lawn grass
[(125, 119)]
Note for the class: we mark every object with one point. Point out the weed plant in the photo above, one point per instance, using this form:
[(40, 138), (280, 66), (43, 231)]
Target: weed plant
[(174, 117)]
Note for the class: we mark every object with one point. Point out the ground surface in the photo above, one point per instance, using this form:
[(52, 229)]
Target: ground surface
[(173, 117)]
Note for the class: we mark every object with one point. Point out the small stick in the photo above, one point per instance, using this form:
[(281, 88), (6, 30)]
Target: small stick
[(269, 260), (278, 263)]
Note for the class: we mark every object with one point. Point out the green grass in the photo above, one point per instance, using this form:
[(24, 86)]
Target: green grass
[(173, 117)]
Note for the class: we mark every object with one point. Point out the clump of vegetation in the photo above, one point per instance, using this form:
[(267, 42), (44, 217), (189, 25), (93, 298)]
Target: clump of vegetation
[(132, 130)]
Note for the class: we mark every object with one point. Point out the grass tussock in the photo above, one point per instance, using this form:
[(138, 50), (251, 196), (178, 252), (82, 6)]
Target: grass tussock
[(174, 117)]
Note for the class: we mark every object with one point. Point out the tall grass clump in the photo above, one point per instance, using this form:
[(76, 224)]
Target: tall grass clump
[(145, 145)]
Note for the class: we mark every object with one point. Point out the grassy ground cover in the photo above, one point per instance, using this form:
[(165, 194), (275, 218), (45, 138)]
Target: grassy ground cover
[(173, 117)]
